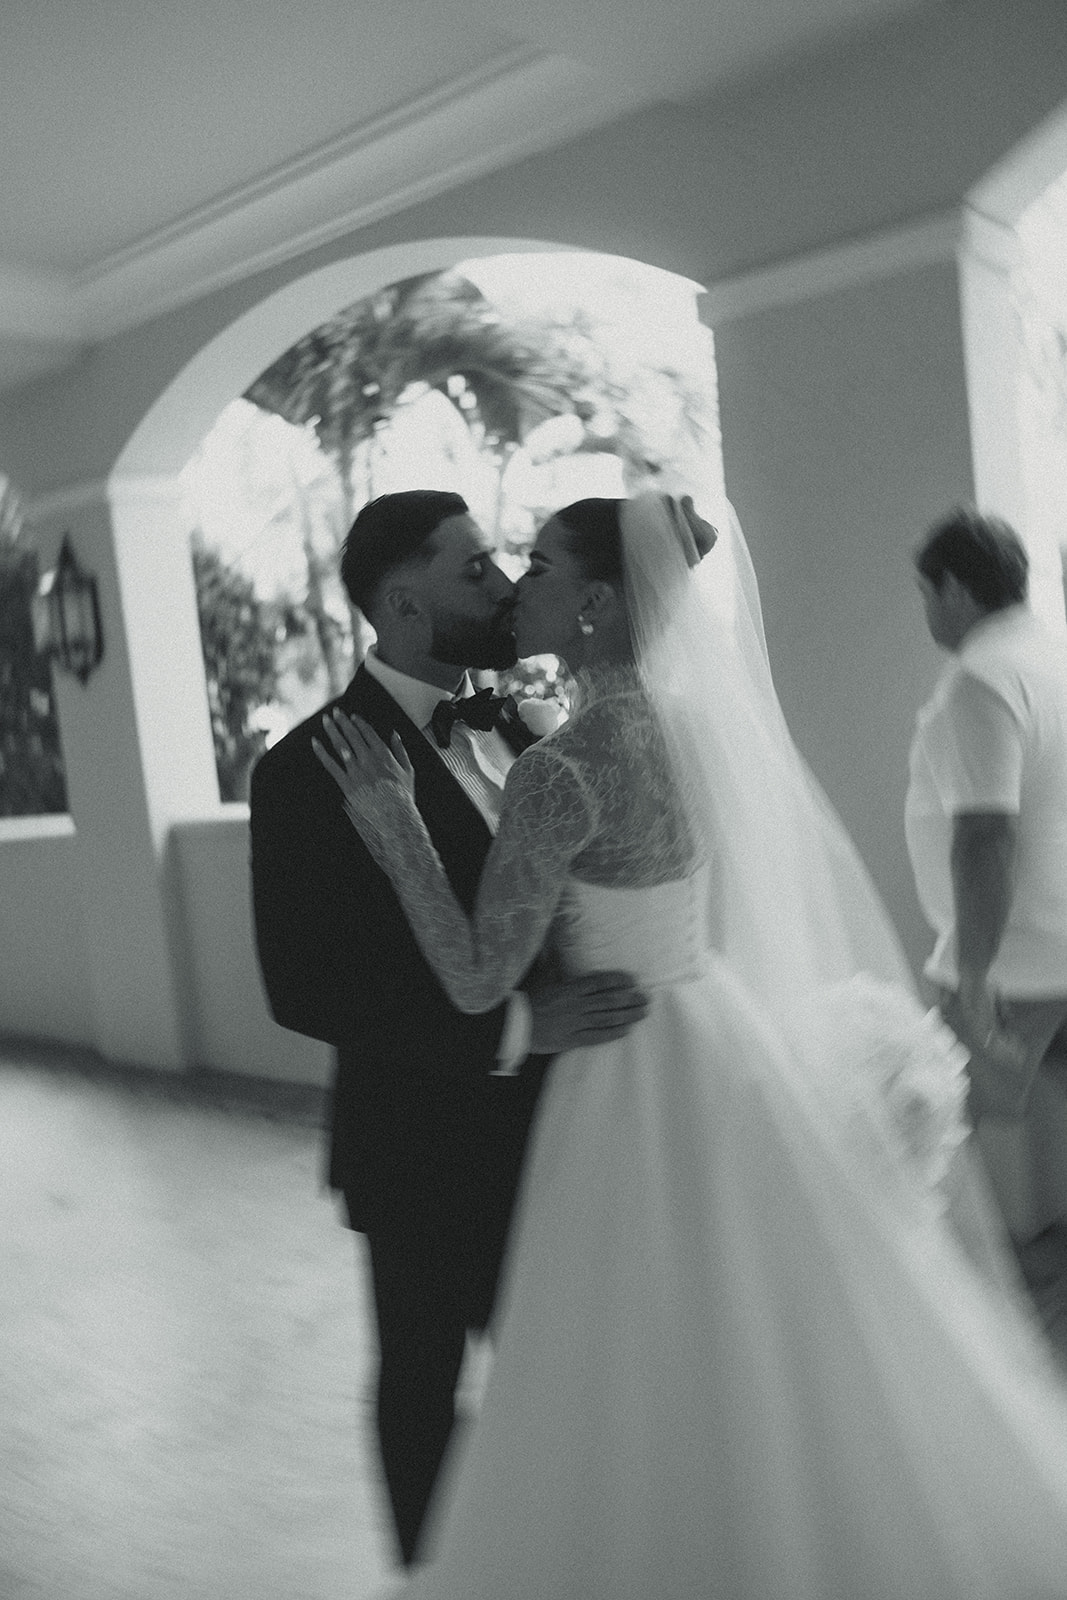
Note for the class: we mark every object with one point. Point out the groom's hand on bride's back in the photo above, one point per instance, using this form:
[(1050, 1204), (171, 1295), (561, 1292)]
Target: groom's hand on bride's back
[(574, 1013)]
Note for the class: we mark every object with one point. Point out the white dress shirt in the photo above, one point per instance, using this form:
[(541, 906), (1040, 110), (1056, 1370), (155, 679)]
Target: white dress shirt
[(993, 737), (480, 763)]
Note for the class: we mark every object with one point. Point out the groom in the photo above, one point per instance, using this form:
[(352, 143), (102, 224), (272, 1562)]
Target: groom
[(431, 1108)]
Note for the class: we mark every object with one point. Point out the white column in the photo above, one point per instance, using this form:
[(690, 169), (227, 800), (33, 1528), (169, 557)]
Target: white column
[(1010, 448), (138, 755)]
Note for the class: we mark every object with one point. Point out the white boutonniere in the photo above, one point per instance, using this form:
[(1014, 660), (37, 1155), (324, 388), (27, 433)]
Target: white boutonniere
[(541, 716)]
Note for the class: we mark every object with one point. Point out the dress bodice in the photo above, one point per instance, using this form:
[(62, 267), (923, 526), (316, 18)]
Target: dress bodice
[(613, 751), (593, 809), (658, 933)]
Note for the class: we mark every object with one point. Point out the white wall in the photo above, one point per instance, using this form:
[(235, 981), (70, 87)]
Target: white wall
[(230, 1026), (844, 435), (137, 754), (45, 990)]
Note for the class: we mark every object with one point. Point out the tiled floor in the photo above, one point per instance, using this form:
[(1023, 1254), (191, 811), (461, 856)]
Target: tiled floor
[(183, 1352), (184, 1348)]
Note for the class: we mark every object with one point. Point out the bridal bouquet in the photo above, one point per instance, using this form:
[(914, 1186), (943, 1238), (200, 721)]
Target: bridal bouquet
[(920, 1070), (903, 1069)]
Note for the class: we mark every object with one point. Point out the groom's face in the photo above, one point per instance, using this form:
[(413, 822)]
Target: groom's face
[(467, 598)]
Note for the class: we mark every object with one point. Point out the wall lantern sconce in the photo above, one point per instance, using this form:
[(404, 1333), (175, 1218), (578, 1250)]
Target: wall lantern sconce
[(66, 616)]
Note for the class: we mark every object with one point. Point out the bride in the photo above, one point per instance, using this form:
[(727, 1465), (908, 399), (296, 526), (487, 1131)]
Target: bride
[(743, 1353)]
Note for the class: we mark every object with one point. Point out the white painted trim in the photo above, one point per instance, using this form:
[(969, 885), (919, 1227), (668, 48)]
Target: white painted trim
[(29, 830), (1013, 185), (134, 489), (231, 814), (356, 141), (517, 105), (172, 427), (224, 366), (143, 489), (807, 277), (174, 424), (65, 502), (991, 240)]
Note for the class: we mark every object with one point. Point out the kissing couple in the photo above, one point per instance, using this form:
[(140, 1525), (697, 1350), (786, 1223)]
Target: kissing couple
[(740, 1349)]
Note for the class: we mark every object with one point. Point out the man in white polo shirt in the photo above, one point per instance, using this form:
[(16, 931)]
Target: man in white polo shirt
[(986, 821)]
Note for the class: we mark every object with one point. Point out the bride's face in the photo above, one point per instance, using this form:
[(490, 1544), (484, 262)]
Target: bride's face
[(549, 596)]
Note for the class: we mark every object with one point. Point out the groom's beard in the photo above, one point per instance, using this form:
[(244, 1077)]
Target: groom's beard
[(487, 644)]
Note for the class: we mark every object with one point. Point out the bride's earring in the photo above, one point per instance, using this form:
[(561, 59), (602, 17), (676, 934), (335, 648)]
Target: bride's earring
[(586, 626)]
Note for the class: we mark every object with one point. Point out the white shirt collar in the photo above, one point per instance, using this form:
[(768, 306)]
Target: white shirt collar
[(995, 626), (415, 698)]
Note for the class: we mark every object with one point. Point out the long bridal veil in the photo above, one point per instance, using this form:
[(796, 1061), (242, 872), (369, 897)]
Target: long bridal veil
[(793, 909)]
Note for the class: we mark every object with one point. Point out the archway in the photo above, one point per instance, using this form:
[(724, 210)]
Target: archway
[(172, 427), (519, 379), (147, 711)]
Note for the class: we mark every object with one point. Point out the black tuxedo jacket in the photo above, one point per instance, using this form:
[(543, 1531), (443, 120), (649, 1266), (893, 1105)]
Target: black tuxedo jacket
[(421, 1134)]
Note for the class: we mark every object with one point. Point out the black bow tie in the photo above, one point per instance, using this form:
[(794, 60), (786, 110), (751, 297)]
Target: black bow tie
[(482, 710)]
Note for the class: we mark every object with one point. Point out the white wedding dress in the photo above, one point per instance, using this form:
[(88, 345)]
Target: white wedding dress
[(732, 1361), (740, 1354)]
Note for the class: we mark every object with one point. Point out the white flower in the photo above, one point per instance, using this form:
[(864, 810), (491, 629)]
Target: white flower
[(896, 1066), (541, 716), (918, 1066)]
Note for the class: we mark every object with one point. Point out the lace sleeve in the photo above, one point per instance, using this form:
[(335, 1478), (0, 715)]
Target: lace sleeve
[(548, 816)]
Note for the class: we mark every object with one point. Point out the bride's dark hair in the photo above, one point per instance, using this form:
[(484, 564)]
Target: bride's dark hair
[(596, 537)]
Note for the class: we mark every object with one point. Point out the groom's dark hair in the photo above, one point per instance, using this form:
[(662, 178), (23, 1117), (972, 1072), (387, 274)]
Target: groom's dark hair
[(389, 531), (983, 553)]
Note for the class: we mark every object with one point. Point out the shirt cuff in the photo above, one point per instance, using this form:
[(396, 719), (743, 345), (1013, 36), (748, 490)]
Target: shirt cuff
[(514, 1044)]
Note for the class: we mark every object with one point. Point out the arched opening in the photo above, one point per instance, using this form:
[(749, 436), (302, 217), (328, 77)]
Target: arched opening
[(208, 987), (172, 428), (521, 378)]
